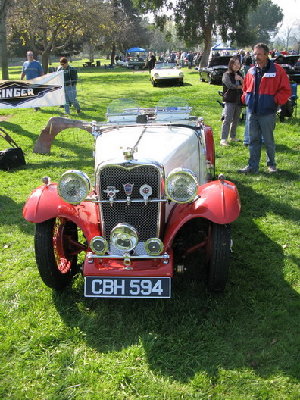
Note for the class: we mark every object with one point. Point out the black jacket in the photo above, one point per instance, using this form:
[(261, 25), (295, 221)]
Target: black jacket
[(231, 94)]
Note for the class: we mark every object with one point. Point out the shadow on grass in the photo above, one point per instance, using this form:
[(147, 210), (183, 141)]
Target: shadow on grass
[(171, 84), (253, 325), (17, 129), (11, 215), (74, 146)]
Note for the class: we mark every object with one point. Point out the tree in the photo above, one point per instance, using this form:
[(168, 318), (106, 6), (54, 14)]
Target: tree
[(4, 5), (125, 27), (61, 26), (198, 20), (289, 38), (164, 40), (47, 27), (261, 23)]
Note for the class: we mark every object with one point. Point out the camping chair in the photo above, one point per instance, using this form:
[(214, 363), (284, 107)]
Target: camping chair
[(287, 110), (294, 96)]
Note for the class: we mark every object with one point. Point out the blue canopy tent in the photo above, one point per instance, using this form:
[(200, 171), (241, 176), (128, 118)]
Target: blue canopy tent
[(135, 50), (221, 50)]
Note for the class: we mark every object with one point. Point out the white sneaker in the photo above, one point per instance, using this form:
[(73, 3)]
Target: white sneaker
[(272, 169), (223, 142), (234, 139)]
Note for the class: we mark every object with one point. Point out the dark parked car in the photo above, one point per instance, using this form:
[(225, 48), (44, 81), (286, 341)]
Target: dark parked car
[(214, 71), (291, 64)]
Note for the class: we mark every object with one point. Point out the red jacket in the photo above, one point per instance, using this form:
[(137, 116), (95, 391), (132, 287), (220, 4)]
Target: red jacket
[(274, 89)]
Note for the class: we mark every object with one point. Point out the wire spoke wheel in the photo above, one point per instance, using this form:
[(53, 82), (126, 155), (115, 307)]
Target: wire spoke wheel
[(56, 249)]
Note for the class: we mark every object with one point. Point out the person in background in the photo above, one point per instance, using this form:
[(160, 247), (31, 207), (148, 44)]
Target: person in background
[(70, 82), (247, 62), (232, 90), (31, 69), (151, 62), (190, 58), (265, 87)]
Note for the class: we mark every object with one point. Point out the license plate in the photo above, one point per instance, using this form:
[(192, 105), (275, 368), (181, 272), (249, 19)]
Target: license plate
[(95, 286)]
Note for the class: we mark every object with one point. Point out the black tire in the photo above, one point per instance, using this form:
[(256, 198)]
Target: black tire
[(219, 257), (47, 258), (153, 83)]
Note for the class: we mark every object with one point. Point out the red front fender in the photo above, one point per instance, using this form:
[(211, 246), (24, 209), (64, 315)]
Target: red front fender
[(218, 202), (45, 203)]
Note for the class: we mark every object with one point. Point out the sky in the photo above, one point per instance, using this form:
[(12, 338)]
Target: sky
[(291, 11)]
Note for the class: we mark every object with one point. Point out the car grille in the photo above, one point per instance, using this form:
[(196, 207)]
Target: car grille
[(145, 218)]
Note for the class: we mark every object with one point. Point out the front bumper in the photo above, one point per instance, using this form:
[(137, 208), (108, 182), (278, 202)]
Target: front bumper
[(168, 78), (138, 266)]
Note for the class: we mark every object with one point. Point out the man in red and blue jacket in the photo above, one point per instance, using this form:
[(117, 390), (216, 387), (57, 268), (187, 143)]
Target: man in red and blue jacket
[(266, 86)]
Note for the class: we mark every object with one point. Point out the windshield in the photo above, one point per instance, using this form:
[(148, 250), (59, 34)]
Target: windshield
[(219, 61), (165, 65), (122, 106), (169, 108)]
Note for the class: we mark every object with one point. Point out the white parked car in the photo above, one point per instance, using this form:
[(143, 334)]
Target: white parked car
[(164, 72), (153, 204)]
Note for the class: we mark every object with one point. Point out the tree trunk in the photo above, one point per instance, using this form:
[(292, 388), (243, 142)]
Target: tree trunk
[(113, 54), (91, 52), (45, 61), (3, 44), (207, 46)]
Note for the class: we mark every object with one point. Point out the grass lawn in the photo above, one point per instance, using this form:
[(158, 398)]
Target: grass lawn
[(241, 345)]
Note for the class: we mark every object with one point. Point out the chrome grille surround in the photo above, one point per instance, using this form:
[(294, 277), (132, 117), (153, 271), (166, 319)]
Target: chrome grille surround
[(145, 218)]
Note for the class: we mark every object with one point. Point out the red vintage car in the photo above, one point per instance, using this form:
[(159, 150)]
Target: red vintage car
[(153, 204)]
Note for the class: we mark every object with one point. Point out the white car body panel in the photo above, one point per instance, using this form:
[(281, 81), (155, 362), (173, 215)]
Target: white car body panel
[(171, 146)]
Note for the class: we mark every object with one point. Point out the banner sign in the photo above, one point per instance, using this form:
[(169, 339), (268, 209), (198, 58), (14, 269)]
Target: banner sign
[(44, 91)]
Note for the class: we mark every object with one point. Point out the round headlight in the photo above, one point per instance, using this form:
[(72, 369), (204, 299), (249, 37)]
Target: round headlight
[(154, 246), (124, 237), (181, 186), (181, 74), (99, 245), (74, 186), (156, 75)]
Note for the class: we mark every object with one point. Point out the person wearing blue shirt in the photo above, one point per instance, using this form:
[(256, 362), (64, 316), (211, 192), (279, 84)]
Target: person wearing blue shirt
[(31, 69)]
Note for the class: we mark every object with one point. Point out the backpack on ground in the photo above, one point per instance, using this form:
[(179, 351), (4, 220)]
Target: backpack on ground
[(12, 157)]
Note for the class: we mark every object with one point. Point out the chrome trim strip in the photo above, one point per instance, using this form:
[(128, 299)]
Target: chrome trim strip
[(164, 256), (131, 201)]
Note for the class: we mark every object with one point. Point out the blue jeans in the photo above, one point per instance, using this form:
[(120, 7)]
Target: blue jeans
[(261, 127), (246, 133), (70, 93)]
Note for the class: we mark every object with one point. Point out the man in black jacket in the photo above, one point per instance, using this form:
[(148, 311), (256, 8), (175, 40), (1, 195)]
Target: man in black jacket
[(70, 82)]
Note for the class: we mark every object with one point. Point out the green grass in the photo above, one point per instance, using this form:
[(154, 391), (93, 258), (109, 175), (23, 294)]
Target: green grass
[(241, 345)]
